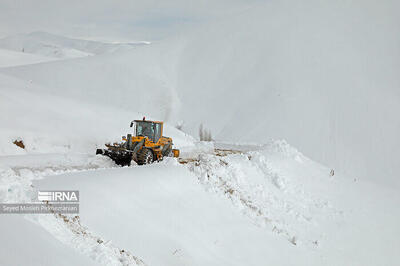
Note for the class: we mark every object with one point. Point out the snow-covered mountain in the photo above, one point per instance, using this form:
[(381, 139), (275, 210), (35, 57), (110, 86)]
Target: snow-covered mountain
[(320, 76), (51, 45)]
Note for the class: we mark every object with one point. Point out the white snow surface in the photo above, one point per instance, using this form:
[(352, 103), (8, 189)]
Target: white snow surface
[(243, 208), (10, 58), (320, 75), (27, 243), (52, 45)]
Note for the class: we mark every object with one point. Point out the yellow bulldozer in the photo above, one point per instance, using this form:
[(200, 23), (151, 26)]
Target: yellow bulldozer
[(145, 146)]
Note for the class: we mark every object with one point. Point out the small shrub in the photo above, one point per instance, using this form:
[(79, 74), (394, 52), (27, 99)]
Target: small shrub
[(19, 143)]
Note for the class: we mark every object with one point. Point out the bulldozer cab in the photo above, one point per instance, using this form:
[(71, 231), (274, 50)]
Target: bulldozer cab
[(150, 129)]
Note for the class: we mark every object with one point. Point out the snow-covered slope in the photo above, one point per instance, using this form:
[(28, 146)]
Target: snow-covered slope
[(131, 80), (26, 243), (52, 45), (11, 58), (50, 123), (249, 207), (320, 75), (163, 215)]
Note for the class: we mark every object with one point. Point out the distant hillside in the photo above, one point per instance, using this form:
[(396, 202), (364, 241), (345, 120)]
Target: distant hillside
[(52, 45)]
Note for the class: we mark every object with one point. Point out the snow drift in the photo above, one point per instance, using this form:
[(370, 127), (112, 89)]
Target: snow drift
[(274, 199)]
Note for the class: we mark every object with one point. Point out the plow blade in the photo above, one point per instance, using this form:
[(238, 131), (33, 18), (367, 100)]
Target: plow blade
[(120, 157)]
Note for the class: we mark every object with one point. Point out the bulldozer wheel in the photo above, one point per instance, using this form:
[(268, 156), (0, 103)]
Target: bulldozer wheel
[(144, 156)]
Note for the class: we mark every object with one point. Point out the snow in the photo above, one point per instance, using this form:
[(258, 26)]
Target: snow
[(26, 243), (331, 93), (284, 192), (274, 198), (320, 76), (50, 123), (10, 58), (51, 45), (164, 216)]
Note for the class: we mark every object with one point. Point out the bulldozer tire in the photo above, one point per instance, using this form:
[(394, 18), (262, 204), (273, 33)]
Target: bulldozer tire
[(144, 156)]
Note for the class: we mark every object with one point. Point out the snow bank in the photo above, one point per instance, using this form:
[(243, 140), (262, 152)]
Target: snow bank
[(162, 215), (286, 193), (26, 243), (234, 209)]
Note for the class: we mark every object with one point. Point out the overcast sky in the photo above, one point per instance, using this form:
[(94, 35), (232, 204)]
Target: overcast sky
[(120, 19)]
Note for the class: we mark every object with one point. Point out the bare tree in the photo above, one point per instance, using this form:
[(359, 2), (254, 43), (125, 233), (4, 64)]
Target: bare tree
[(204, 134), (201, 132), (179, 124)]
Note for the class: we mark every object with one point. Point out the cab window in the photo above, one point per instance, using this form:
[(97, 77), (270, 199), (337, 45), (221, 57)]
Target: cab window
[(157, 132)]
